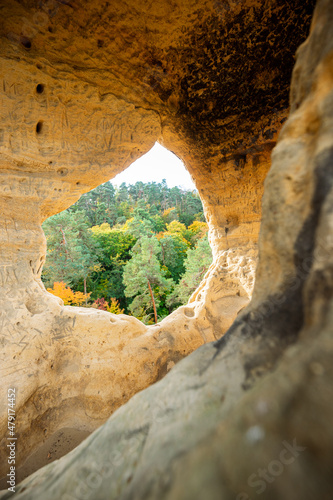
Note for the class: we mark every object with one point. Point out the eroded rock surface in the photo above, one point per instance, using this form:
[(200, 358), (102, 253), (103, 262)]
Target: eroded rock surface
[(250, 413), (87, 90)]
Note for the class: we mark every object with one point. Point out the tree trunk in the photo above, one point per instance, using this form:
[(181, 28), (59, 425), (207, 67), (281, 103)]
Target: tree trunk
[(153, 300), (163, 257), (85, 288), (64, 242)]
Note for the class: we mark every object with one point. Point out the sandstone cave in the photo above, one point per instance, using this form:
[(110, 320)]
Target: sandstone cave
[(231, 395)]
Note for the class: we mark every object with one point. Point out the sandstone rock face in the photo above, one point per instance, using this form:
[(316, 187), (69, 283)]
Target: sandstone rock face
[(87, 90)]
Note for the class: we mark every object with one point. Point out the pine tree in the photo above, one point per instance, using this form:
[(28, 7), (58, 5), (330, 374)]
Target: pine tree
[(72, 250), (144, 279), (173, 254), (196, 265), (113, 251), (147, 224)]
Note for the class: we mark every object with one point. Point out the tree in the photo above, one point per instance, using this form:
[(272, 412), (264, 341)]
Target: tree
[(170, 214), (113, 308), (191, 206), (196, 231), (70, 298), (141, 223), (165, 194), (72, 251), (122, 193), (173, 254), (99, 205), (144, 279), (114, 246), (176, 227), (90, 244), (197, 263)]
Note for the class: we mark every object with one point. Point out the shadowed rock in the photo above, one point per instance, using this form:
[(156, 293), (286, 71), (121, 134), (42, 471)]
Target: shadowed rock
[(258, 399)]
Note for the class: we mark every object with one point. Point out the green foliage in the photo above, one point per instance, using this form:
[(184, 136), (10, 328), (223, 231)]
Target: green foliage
[(113, 308), (145, 279), (173, 253), (197, 263), (157, 223), (98, 205), (130, 247), (114, 206), (113, 251), (138, 227), (191, 207), (71, 249)]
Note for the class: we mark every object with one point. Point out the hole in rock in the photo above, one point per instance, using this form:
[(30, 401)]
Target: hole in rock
[(39, 127), (62, 171), (25, 42), (40, 88), (150, 217), (99, 247)]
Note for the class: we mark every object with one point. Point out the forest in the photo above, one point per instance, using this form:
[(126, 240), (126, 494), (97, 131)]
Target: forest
[(139, 249)]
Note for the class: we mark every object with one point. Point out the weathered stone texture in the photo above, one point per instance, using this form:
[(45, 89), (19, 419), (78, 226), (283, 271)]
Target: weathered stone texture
[(85, 92)]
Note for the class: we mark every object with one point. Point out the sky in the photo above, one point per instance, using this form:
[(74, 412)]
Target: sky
[(157, 164)]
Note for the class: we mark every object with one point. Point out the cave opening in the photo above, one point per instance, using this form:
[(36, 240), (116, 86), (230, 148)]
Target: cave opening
[(213, 81), (137, 244)]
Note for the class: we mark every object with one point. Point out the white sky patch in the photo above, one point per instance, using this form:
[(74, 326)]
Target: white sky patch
[(154, 166)]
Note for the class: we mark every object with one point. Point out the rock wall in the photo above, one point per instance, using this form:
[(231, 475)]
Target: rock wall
[(249, 414), (85, 91)]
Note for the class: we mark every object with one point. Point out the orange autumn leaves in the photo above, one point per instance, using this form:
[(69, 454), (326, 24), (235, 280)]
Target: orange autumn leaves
[(70, 298)]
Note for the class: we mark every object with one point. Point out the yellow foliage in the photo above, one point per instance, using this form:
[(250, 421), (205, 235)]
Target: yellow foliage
[(127, 224), (176, 227), (70, 298), (167, 214), (114, 307), (160, 235), (198, 228), (104, 228)]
